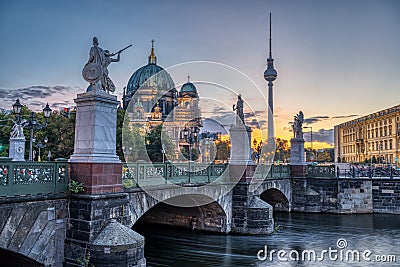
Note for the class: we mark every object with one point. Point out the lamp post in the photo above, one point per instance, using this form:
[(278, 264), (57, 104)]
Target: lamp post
[(31, 122), (40, 145), (163, 153), (190, 137), (312, 152), (257, 147)]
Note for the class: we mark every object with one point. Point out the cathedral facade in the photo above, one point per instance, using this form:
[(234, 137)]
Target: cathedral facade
[(151, 99)]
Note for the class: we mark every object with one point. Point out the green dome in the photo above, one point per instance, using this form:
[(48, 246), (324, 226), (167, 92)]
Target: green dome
[(188, 89)]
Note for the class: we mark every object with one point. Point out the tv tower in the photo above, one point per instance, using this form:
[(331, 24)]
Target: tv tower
[(270, 75)]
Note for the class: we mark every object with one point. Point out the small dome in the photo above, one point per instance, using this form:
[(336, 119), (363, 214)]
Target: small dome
[(188, 88)]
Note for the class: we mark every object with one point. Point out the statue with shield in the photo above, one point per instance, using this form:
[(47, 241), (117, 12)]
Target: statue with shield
[(95, 70)]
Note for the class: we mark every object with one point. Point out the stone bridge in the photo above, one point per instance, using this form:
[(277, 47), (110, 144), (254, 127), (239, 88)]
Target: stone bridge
[(53, 228)]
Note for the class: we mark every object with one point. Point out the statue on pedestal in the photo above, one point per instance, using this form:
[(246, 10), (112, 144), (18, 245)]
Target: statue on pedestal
[(298, 125), (17, 131), (95, 70), (239, 111)]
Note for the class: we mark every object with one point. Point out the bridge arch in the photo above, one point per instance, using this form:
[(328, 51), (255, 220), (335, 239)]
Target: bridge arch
[(276, 199), (215, 216), (12, 258), (277, 193)]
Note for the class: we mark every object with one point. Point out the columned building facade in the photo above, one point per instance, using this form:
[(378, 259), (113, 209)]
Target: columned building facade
[(374, 137)]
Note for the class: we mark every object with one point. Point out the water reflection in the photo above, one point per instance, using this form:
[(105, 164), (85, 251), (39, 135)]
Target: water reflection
[(380, 233)]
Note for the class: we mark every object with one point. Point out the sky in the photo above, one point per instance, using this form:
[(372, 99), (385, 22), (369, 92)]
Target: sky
[(336, 60)]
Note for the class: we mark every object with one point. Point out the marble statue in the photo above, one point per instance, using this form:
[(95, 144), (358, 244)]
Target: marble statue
[(239, 111), (17, 131), (298, 125), (95, 70)]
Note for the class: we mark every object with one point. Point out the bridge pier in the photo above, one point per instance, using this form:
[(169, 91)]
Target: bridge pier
[(250, 215), (97, 227)]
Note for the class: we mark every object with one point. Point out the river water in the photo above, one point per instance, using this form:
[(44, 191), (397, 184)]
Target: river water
[(296, 232)]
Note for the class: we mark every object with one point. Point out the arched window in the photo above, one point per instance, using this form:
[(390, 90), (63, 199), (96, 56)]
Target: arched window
[(390, 130), (385, 131)]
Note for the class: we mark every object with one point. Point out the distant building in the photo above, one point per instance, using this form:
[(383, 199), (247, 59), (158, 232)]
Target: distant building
[(152, 99), (374, 137)]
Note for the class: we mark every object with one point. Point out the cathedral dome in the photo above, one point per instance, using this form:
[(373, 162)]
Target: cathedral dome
[(163, 80), (188, 89)]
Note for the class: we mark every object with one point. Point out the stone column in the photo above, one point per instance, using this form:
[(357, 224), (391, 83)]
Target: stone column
[(298, 165), (100, 215)]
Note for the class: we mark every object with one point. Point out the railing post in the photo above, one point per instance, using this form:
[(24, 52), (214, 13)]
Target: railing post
[(189, 172), (209, 169)]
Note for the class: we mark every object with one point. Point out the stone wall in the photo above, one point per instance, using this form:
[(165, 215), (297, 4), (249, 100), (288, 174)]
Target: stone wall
[(315, 195), (355, 196), (346, 195), (386, 196), (34, 226)]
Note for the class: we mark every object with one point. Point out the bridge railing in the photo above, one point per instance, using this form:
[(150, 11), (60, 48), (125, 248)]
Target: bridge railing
[(272, 171), (32, 178), (371, 173), (135, 174), (321, 171)]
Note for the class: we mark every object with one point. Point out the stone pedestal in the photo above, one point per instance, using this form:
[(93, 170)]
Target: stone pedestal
[(298, 165), (96, 128), (94, 161), (17, 148), (240, 137)]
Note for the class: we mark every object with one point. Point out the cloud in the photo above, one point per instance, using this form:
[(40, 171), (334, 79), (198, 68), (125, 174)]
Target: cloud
[(218, 109), (37, 95), (321, 135), (345, 116), (315, 119)]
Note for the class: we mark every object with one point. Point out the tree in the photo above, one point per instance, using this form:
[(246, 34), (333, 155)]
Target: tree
[(60, 132), (154, 144), (134, 144), (186, 154), (223, 150), (120, 124), (281, 149)]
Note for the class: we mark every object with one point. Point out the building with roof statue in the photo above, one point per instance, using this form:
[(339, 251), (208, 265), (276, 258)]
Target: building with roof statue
[(151, 99)]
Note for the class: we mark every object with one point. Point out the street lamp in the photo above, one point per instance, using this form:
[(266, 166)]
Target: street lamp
[(257, 147), (32, 123), (163, 153), (190, 136), (312, 152), (40, 145)]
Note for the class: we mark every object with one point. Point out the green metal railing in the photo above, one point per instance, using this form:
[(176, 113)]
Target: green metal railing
[(321, 171), (32, 178), (142, 174), (272, 171)]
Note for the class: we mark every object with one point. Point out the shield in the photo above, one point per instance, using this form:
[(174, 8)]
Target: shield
[(92, 72)]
